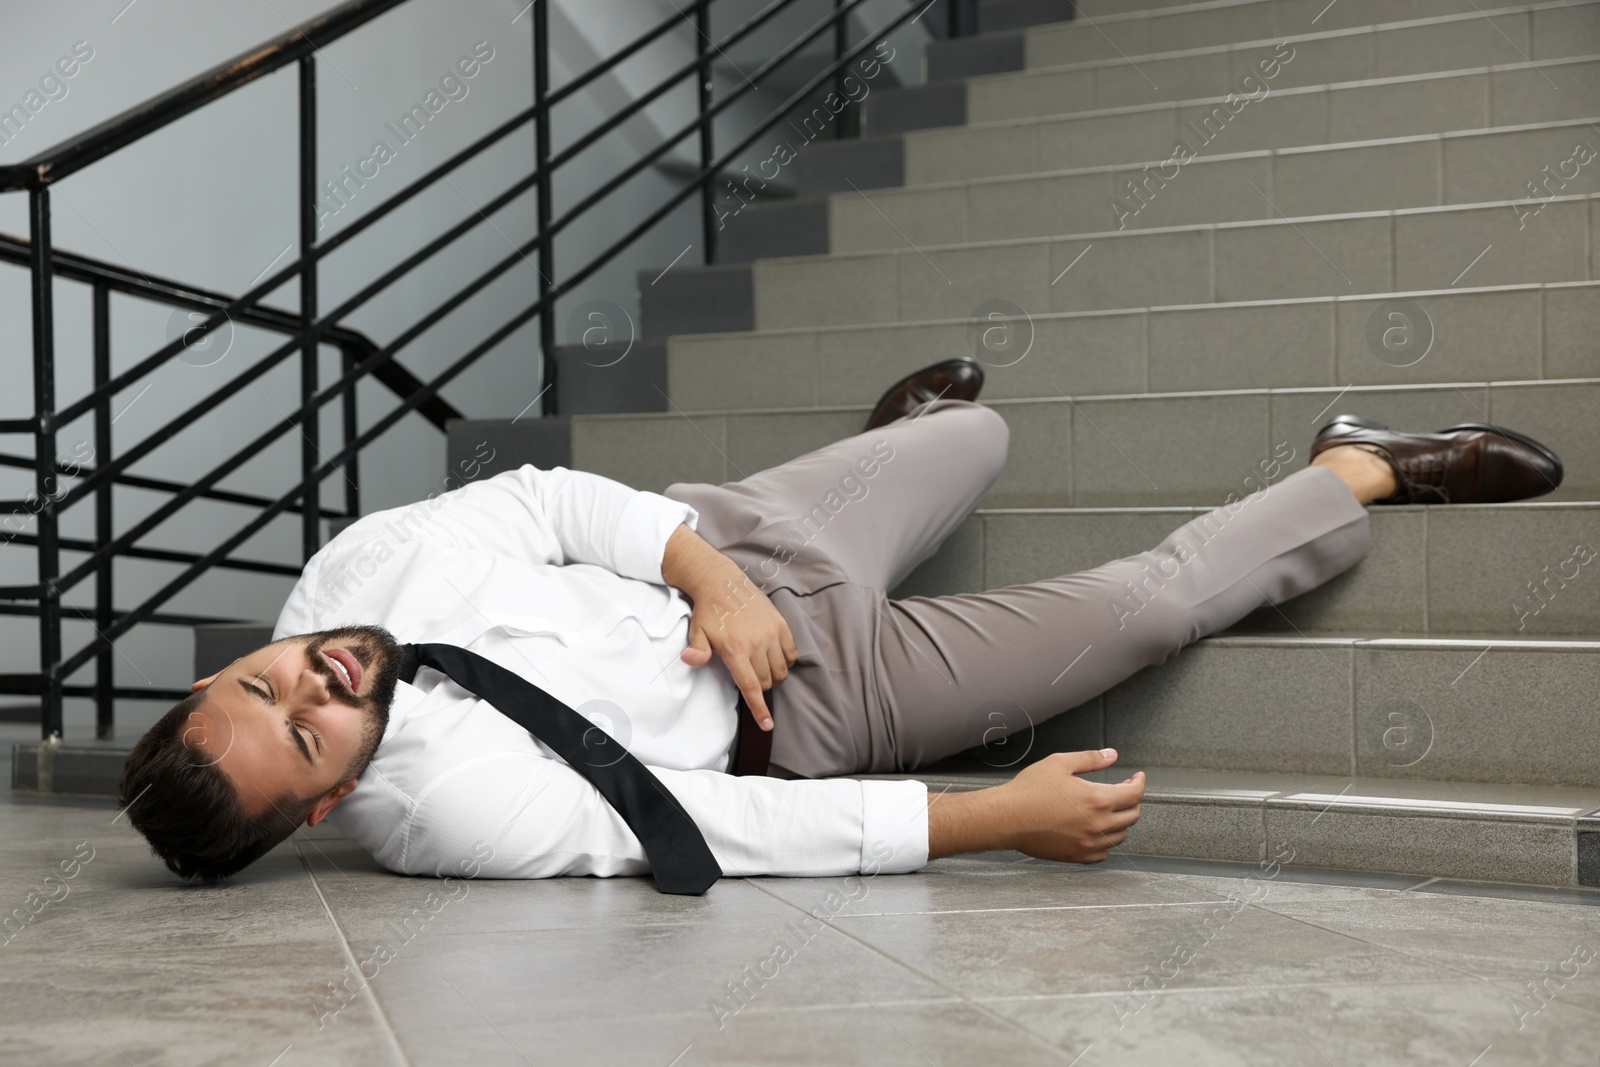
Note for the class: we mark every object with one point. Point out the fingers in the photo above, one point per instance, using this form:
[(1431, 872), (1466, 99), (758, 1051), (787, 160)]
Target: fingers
[(1092, 760), (698, 654), (751, 687), (777, 665), (1123, 794)]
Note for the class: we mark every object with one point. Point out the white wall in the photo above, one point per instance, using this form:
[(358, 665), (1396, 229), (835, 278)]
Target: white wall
[(212, 201)]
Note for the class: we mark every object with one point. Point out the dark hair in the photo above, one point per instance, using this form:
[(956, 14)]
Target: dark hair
[(189, 810)]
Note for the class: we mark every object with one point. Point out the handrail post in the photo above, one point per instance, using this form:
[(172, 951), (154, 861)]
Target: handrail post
[(46, 485), (708, 155), (548, 369), (352, 466), (310, 500), (104, 597), (841, 45)]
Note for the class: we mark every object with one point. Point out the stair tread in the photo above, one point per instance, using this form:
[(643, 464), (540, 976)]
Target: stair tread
[(1416, 796), (1086, 313), (1060, 399)]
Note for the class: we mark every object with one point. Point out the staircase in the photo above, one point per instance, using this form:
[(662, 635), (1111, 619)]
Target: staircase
[(1380, 206), (1393, 213)]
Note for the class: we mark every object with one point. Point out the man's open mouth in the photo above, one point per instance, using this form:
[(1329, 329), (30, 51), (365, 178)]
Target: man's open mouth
[(345, 666)]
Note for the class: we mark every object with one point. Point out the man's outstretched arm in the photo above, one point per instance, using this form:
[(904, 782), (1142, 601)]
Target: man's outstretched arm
[(1045, 811)]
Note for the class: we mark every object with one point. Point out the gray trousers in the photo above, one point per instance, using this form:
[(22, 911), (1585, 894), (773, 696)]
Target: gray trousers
[(885, 685)]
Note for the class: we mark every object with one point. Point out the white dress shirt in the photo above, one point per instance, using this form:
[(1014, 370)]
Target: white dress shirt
[(556, 575)]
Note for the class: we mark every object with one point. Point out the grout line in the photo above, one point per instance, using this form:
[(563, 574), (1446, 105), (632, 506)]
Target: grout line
[(1211, 253), (1544, 314), (1333, 329), (1354, 731), (1427, 579), (1144, 316), (931, 979), (396, 1053), (1439, 169)]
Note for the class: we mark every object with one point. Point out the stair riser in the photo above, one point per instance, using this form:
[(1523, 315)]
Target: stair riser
[(1408, 174), (1509, 335), (1481, 99), (1089, 453), (1343, 708), (1083, 42), (1422, 573), (1407, 251), (999, 16)]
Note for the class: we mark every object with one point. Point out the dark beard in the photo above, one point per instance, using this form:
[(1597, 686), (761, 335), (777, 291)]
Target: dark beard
[(376, 649)]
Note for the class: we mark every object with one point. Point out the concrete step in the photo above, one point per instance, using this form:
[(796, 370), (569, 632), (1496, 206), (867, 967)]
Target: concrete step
[(1056, 136), (1149, 27), (1095, 451), (1530, 162), (79, 768), (1255, 66), (1152, 29), (1422, 575), (999, 16), (1364, 253), (1409, 708), (1538, 835), (1520, 333)]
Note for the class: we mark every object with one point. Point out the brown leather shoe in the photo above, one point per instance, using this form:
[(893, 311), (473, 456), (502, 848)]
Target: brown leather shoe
[(1474, 463), (958, 379)]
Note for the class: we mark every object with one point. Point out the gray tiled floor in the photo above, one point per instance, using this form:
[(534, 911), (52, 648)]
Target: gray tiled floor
[(992, 958)]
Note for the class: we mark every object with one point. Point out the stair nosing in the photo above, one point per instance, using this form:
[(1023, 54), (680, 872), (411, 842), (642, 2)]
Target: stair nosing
[(1193, 227), (1091, 313), (1191, 394), (1355, 83), (1251, 153)]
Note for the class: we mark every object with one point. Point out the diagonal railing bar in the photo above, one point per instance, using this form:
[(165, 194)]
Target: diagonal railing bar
[(172, 555), (517, 255), (304, 331), (330, 464), (158, 485), (521, 253), (86, 269), (573, 213), (384, 208), (582, 274)]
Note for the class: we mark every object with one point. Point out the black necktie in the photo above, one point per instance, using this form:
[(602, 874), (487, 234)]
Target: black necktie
[(680, 859)]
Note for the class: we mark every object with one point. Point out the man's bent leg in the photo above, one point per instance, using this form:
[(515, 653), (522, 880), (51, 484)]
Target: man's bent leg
[(865, 509), (1051, 645)]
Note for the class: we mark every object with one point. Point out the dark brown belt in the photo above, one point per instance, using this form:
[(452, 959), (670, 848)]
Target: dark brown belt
[(752, 747)]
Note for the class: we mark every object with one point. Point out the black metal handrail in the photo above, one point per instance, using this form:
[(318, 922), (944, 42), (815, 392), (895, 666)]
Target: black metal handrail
[(308, 328)]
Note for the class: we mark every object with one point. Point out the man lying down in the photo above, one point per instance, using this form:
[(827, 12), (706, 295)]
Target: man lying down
[(545, 672)]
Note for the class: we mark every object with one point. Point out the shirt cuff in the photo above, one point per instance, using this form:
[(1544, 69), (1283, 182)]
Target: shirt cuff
[(894, 826), (646, 524)]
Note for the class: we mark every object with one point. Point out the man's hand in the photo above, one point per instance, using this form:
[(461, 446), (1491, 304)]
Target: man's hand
[(1045, 811), (731, 617)]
